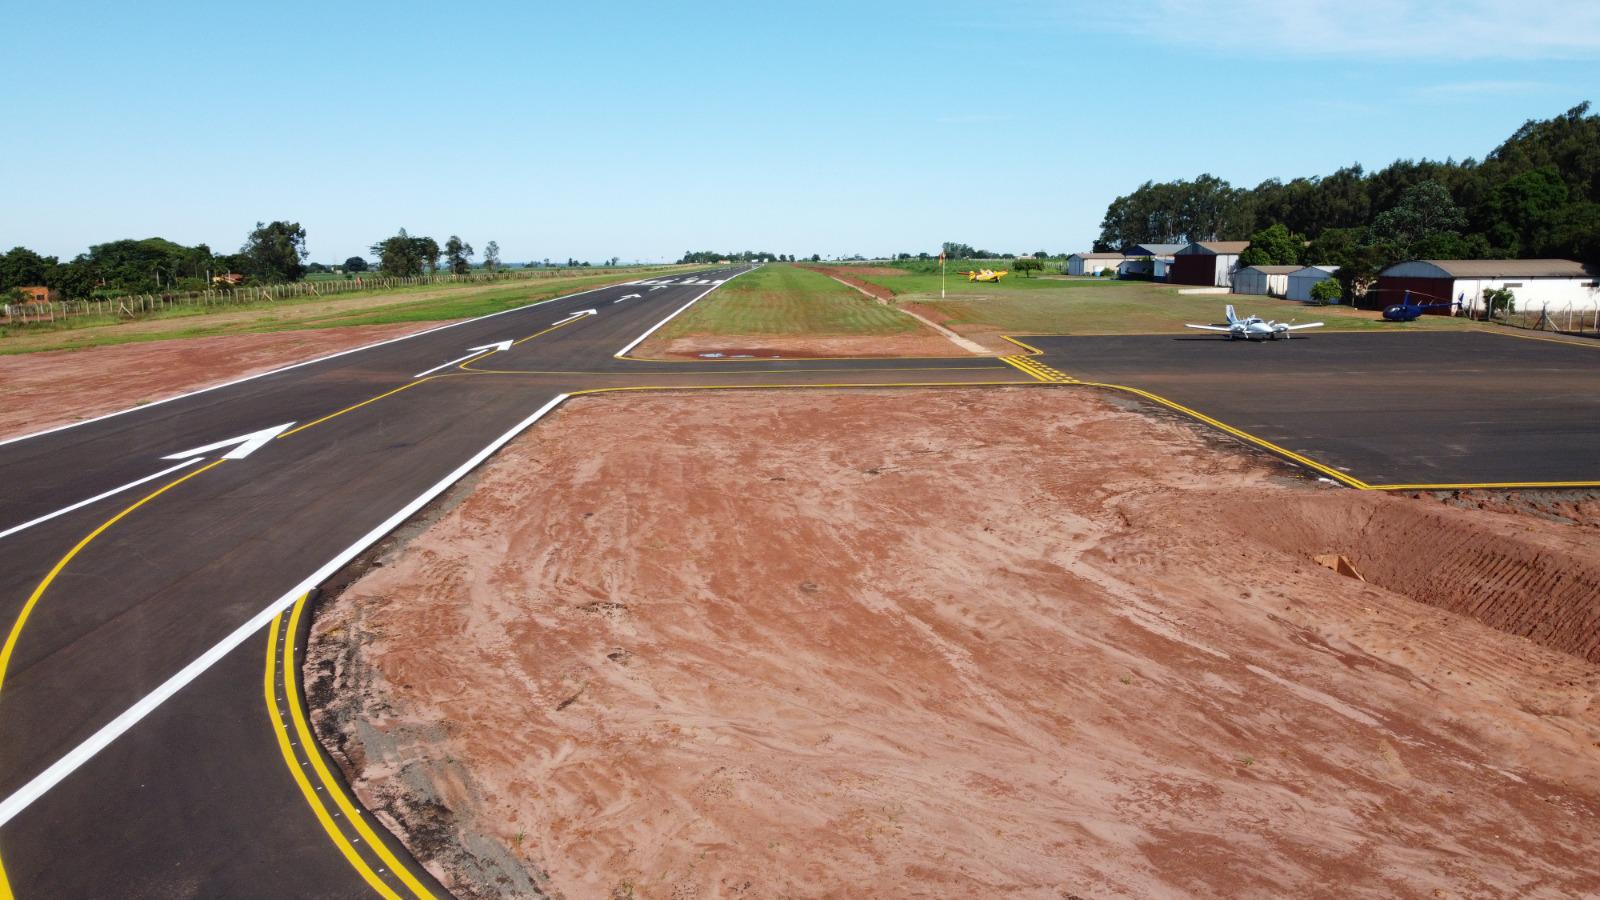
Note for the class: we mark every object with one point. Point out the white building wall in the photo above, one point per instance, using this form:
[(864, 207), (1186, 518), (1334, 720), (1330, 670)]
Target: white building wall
[(1227, 266), (1554, 295), (1077, 265), (1301, 282)]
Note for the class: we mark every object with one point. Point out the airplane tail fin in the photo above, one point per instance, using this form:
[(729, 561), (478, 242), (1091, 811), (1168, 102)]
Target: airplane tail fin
[(1232, 318)]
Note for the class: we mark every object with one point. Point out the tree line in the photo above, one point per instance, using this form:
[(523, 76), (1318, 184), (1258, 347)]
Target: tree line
[(1536, 195), (712, 256), (272, 253)]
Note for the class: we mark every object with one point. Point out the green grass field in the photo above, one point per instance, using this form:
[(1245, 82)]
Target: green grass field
[(779, 299), (420, 303), (1104, 306)]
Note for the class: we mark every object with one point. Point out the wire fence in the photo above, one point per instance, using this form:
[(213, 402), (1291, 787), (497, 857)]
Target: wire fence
[(133, 306), (1574, 318)]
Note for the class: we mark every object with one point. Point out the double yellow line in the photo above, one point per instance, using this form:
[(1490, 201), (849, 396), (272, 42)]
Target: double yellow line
[(281, 690)]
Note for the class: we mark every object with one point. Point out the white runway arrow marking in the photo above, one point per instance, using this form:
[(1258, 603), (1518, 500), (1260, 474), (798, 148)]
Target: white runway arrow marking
[(501, 346), (577, 315), (660, 287), (627, 297), (97, 497), (248, 444)]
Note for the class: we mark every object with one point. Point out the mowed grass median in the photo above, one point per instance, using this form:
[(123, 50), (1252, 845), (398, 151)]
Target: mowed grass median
[(782, 300), (1104, 306), (421, 303)]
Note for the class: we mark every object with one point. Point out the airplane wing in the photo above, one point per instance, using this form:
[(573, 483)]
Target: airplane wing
[(1307, 325), (1222, 328)]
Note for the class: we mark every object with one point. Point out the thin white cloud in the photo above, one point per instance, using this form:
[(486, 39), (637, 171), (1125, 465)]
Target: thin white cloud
[(1352, 29)]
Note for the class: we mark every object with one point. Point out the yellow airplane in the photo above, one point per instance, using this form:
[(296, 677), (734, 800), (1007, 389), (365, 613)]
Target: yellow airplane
[(987, 275)]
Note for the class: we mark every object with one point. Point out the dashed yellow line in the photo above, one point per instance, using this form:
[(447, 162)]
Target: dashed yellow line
[(297, 769), (331, 786)]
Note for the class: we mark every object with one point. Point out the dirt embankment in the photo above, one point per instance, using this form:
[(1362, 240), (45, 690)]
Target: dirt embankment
[(43, 390), (957, 643)]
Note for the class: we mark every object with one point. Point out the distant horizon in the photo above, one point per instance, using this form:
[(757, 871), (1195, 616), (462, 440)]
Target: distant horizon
[(646, 132)]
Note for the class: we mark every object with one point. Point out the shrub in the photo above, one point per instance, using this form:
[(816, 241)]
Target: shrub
[(1326, 291), (1497, 301)]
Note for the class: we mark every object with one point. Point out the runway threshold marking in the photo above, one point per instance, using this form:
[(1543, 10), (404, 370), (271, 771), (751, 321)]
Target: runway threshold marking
[(44, 585), (330, 786), (296, 767)]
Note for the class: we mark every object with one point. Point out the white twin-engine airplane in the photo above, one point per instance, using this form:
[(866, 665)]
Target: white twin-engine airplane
[(1254, 328)]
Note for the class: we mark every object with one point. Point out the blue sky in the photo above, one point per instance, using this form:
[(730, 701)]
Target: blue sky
[(643, 130)]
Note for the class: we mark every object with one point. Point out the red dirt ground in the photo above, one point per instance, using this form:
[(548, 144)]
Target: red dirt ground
[(43, 390), (962, 644)]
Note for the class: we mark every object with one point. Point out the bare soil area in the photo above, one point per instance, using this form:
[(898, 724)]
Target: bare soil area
[(800, 346), (50, 388), (965, 643)]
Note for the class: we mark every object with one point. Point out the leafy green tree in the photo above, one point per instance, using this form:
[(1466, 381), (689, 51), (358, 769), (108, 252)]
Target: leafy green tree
[(458, 256), (1498, 302), (21, 267), (275, 252), (1424, 211), (355, 264), (1027, 266), (1273, 246), (1326, 292), (491, 256), (1519, 211), (429, 249), (404, 256)]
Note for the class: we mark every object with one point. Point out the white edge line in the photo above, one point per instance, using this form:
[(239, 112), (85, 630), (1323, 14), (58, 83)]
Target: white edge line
[(114, 729), (97, 497), (452, 362), (214, 387), (640, 339)]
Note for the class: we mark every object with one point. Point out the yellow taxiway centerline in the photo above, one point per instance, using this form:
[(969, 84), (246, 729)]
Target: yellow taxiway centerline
[(332, 787), (296, 769), (38, 592)]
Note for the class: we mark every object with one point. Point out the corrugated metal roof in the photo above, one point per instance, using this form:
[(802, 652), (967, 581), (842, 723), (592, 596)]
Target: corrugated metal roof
[(1514, 268), (1220, 248), (1153, 249), (1098, 255), (1276, 270), (1329, 269)]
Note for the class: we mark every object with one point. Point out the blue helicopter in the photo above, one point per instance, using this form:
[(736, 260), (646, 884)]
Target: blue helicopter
[(1406, 311)]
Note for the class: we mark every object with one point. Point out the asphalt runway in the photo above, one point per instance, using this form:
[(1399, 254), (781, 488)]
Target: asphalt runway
[(1384, 410), (152, 733), (140, 722)]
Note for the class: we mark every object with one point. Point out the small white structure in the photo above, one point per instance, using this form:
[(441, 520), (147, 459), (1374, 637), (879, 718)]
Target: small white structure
[(1555, 286), (1092, 263), (1270, 280), (1301, 281)]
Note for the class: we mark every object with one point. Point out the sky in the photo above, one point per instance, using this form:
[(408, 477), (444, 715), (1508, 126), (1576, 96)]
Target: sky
[(642, 130)]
